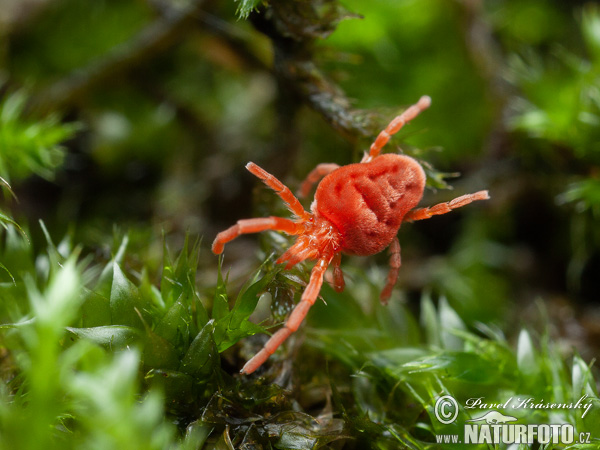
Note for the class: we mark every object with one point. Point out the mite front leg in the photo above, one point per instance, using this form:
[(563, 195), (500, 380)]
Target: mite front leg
[(443, 208), (314, 176), (246, 226), (395, 263), (309, 296), (280, 189)]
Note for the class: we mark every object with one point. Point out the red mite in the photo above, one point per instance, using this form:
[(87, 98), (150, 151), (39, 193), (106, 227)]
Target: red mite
[(357, 210)]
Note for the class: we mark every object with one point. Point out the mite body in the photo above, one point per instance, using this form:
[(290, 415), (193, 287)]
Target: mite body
[(358, 209), (367, 202)]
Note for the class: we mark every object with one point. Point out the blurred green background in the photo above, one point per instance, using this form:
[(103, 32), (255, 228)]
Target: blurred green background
[(134, 120)]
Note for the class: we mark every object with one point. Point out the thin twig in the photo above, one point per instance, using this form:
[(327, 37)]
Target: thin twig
[(486, 54), (150, 41)]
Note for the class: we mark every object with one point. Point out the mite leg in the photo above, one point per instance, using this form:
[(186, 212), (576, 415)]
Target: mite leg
[(314, 176), (392, 277), (338, 275), (280, 189), (300, 251), (246, 226), (294, 320), (443, 208), (396, 125)]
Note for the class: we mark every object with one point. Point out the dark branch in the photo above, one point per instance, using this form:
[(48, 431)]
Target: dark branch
[(294, 66)]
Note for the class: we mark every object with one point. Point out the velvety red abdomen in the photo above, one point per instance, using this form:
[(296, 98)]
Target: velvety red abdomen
[(367, 201)]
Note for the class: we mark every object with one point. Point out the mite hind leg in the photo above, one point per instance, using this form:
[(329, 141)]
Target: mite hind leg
[(395, 263), (443, 208), (396, 125), (338, 275), (315, 176)]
